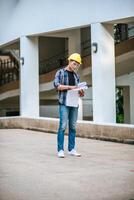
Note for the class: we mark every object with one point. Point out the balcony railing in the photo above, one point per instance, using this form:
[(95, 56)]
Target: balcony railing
[(53, 62), (9, 71), (123, 32), (86, 48)]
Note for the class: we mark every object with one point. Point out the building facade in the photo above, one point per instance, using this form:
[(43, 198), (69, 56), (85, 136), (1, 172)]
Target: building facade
[(36, 38)]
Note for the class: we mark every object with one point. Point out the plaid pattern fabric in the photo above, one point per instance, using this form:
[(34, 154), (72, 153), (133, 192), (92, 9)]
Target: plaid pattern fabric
[(61, 78)]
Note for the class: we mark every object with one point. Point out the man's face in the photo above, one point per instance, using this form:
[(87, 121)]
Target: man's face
[(73, 65)]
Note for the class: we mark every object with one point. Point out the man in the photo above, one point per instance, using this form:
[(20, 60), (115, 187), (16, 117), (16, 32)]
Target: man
[(67, 79)]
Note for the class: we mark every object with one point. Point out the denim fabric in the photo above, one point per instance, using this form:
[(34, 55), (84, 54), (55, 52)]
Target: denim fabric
[(67, 115), (61, 78)]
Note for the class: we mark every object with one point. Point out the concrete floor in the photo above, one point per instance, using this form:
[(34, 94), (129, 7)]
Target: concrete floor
[(30, 169)]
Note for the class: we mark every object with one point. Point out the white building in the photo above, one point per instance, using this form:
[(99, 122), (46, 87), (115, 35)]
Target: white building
[(42, 33)]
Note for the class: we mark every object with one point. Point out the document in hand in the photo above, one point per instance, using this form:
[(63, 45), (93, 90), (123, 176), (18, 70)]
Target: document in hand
[(82, 86), (72, 98)]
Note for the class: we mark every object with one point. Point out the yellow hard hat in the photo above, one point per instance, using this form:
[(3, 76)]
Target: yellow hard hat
[(76, 57)]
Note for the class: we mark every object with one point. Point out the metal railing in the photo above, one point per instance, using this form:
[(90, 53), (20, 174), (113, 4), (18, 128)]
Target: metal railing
[(86, 48), (9, 71), (53, 62), (122, 32)]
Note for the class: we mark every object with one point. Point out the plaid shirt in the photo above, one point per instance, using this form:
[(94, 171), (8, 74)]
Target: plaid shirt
[(61, 78)]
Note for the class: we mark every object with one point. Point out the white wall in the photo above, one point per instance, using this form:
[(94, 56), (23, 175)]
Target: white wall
[(27, 17)]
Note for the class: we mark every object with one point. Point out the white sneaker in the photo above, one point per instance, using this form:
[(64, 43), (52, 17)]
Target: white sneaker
[(61, 154), (73, 152)]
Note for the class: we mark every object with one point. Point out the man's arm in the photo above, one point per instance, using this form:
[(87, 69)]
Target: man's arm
[(66, 87)]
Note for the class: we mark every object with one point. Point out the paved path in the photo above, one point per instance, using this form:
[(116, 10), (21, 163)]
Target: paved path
[(30, 169)]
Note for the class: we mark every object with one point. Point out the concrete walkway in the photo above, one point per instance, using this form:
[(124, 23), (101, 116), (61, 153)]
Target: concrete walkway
[(30, 169)]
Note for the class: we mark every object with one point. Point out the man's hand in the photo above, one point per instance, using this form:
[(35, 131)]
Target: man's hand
[(81, 93)]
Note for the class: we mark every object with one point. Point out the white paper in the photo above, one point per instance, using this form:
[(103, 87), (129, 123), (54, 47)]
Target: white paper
[(80, 88), (72, 98), (82, 84)]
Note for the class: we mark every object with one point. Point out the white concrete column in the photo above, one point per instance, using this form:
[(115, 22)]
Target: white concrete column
[(74, 46), (131, 97), (29, 77), (80, 111), (103, 73), (132, 104)]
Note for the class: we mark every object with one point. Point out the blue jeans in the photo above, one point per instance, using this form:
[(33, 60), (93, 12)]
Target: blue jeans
[(67, 114)]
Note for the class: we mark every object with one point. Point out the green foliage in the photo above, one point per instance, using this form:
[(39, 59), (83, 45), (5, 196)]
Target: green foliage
[(120, 118), (119, 106)]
